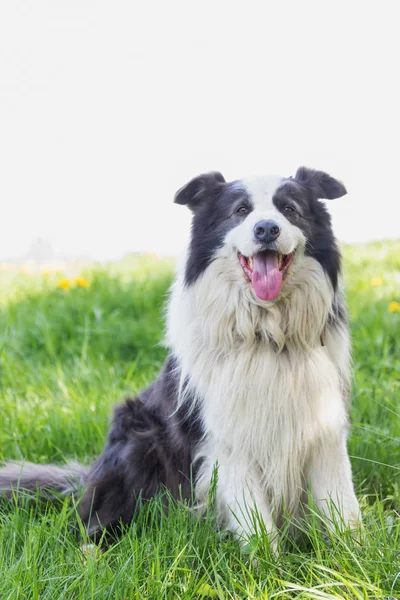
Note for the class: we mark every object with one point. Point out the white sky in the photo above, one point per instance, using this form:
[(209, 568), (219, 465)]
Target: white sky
[(106, 108)]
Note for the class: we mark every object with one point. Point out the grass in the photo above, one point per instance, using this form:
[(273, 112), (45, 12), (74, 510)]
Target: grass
[(67, 356)]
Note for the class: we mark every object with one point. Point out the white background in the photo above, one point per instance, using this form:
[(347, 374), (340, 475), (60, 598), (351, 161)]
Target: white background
[(106, 108)]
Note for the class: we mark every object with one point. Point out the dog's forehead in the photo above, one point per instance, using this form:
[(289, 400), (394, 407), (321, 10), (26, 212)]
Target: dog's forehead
[(261, 189)]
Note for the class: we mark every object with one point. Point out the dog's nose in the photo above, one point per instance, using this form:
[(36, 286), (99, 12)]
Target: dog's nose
[(266, 231)]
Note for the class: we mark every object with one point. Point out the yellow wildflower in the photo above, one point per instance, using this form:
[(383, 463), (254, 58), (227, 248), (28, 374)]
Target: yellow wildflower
[(394, 306), (64, 284), (377, 281), (82, 282)]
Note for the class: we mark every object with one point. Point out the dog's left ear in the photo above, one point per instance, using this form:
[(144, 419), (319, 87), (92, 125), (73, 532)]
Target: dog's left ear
[(322, 184), (200, 188)]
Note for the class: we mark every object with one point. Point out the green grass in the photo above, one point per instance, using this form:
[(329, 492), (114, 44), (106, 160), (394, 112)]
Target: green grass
[(66, 357)]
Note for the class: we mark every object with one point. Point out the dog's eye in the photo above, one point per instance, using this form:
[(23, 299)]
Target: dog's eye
[(289, 209), (243, 210)]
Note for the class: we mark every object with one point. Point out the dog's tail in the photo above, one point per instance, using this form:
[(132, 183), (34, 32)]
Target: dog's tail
[(46, 480)]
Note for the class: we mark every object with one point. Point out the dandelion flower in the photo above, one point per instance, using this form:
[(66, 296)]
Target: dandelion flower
[(377, 281), (81, 282), (64, 284), (394, 306)]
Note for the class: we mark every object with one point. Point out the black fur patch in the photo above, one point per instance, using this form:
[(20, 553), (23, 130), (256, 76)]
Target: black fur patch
[(338, 316), (322, 184), (149, 448), (311, 216), (215, 212)]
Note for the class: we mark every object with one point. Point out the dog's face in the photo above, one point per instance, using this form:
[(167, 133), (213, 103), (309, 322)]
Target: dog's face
[(266, 223)]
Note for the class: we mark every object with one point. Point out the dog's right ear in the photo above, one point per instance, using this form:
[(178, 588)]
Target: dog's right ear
[(200, 188)]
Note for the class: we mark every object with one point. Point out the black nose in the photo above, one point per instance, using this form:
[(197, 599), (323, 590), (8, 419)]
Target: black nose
[(266, 231)]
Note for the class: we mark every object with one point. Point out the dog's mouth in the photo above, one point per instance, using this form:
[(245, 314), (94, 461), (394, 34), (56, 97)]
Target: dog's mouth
[(266, 271)]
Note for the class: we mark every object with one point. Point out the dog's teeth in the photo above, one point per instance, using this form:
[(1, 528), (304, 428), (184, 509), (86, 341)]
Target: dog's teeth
[(250, 262)]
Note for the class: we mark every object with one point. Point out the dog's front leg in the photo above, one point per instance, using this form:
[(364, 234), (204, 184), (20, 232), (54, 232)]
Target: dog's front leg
[(329, 475), (241, 502), (247, 514)]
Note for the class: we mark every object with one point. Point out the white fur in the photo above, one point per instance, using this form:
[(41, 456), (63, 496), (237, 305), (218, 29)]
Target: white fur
[(271, 396), (261, 190)]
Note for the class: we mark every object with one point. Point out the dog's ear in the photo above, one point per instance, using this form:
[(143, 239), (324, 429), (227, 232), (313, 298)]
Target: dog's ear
[(200, 188), (322, 184)]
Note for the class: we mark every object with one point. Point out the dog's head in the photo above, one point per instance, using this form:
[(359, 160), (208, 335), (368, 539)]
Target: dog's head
[(265, 223)]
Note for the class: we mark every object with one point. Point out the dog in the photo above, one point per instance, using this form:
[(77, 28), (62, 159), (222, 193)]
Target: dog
[(257, 379)]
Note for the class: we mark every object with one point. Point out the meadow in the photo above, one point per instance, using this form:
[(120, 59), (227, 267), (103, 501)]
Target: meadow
[(73, 344)]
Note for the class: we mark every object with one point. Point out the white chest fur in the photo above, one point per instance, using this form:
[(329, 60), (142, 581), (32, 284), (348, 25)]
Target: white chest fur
[(269, 392)]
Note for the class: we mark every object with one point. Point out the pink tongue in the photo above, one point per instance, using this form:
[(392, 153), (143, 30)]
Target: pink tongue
[(266, 278)]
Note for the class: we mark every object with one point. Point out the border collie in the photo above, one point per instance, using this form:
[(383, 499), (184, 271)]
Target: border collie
[(258, 376)]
